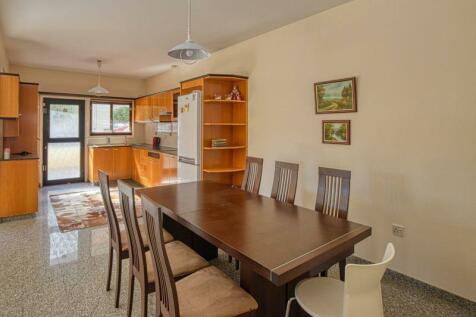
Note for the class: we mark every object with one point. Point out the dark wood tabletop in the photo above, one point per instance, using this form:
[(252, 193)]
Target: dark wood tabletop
[(278, 241)]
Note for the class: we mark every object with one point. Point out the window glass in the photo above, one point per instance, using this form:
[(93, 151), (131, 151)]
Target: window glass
[(121, 118), (110, 118)]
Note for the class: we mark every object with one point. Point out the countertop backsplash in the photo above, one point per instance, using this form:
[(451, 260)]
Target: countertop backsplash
[(167, 131)]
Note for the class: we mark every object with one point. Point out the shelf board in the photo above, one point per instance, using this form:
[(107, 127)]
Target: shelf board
[(224, 123), (224, 101), (224, 147), (223, 170)]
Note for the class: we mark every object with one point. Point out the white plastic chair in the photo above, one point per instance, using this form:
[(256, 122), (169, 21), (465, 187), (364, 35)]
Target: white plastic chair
[(360, 294)]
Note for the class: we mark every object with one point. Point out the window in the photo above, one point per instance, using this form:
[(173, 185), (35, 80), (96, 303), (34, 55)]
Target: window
[(111, 118)]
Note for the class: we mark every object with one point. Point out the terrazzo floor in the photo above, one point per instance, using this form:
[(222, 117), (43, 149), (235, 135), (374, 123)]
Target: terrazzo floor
[(47, 273)]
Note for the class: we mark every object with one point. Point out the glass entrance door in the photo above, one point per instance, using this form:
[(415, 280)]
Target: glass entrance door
[(63, 141)]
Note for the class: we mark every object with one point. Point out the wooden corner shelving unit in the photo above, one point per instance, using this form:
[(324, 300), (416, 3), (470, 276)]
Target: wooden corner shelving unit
[(225, 119)]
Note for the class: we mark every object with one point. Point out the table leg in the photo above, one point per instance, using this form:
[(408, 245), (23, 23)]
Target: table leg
[(272, 299)]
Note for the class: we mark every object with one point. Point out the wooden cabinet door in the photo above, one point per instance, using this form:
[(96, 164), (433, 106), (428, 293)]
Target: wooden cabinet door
[(172, 169), (136, 165), (159, 170), (11, 128), (142, 111), (103, 160), (169, 101), (148, 108), (25, 128), (121, 162), (144, 168), (18, 187), (156, 106), (9, 96)]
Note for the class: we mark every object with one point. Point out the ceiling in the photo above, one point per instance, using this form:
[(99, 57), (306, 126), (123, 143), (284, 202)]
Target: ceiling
[(133, 36)]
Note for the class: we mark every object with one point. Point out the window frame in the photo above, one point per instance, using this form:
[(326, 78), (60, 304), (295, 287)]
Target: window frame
[(111, 107)]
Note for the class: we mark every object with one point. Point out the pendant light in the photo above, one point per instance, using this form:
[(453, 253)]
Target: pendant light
[(189, 52), (98, 89)]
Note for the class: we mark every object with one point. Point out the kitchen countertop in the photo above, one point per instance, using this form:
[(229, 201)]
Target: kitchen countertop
[(148, 147), (16, 157)]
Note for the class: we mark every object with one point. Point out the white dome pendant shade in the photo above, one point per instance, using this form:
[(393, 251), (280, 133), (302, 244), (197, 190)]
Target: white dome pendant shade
[(98, 89), (189, 52)]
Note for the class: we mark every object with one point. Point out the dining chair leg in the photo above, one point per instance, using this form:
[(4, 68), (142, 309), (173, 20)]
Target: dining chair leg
[(143, 301), (109, 269), (130, 295), (342, 265), (288, 306), (118, 279)]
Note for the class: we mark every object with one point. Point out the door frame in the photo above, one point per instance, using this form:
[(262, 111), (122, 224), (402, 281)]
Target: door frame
[(46, 139)]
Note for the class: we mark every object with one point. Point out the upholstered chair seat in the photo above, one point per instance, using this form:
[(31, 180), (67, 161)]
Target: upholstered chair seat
[(183, 260), (167, 236), (209, 292)]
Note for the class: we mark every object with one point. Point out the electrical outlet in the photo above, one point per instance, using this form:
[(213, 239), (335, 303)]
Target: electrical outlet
[(398, 230)]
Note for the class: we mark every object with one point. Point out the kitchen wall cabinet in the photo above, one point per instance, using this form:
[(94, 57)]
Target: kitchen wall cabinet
[(21, 134), (143, 109), (157, 107), (9, 95), (116, 161), (18, 187)]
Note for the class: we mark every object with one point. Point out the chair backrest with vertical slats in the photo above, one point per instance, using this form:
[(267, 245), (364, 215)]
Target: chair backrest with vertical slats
[(252, 177), (285, 182), (333, 192), (135, 243), (165, 290), (112, 222)]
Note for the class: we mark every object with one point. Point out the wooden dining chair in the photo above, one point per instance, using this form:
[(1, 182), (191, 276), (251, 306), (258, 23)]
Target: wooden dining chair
[(184, 260), (252, 177), (207, 292), (333, 199), (360, 295), (285, 182), (117, 236)]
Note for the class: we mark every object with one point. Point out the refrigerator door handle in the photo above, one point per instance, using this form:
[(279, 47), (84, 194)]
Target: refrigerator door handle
[(187, 160)]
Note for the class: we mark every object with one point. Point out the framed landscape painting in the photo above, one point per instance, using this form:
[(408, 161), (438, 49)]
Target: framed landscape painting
[(336, 131), (335, 96)]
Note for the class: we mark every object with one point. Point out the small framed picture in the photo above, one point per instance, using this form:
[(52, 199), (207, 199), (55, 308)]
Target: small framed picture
[(336, 96), (336, 131)]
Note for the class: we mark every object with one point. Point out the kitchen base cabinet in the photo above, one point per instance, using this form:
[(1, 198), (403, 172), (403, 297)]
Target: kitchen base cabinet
[(152, 168), (116, 161), (18, 187)]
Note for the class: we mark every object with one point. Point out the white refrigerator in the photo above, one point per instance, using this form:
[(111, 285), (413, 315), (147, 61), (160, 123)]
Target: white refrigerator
[(188, 137)]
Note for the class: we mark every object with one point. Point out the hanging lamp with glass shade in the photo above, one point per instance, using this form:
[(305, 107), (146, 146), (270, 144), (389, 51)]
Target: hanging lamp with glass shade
[(189, 52), (98, 89)]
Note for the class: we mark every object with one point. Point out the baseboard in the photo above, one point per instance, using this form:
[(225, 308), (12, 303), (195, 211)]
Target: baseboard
[(424, 287)]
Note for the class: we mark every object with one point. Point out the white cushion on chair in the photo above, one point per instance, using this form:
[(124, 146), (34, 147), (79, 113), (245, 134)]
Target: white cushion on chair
[(321, 296)]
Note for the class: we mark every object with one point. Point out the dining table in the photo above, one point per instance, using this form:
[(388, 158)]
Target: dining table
[(277, 244)]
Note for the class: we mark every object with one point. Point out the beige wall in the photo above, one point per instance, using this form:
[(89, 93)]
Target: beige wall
[(78, 83), (4, 64), (413, 153)]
